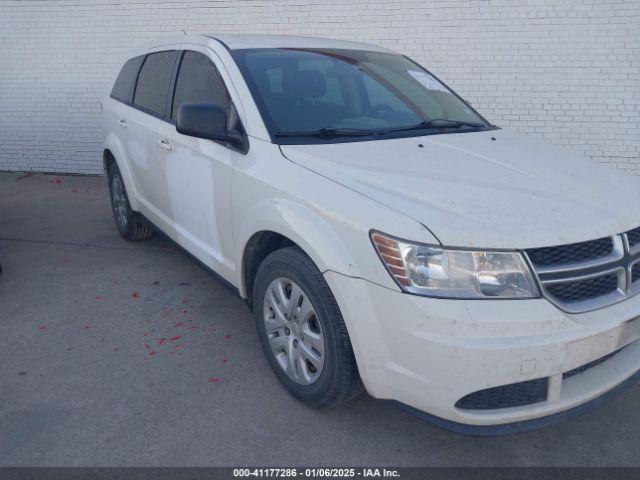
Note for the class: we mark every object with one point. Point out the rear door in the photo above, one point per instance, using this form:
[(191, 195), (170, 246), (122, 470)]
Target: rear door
[(197, 172), (117, 110), (149, 102)]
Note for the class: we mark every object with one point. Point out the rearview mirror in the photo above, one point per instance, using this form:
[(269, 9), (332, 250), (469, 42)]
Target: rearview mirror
[(208, 120)]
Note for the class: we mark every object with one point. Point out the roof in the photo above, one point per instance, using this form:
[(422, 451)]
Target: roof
[(242, 41)]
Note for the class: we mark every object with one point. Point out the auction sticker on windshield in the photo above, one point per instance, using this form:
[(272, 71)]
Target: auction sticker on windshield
[(427, 81)]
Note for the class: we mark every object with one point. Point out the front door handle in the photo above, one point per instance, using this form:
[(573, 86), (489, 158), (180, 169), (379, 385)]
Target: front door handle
[(123, 123), (164, 144)]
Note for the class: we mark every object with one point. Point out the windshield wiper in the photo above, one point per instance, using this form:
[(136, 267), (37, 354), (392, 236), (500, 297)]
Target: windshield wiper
[(327, 132), (436, 123)]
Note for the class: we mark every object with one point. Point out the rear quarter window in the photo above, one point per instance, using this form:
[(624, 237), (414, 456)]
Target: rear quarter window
[(125, 83)]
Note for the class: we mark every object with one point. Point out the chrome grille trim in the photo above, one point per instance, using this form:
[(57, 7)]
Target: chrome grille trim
[(617, 253), (633, 239), (620, 261)]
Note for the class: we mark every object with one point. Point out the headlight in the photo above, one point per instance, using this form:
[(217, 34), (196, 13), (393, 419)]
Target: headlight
[(454, 273)]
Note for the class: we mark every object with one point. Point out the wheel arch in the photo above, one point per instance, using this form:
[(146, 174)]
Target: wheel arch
[(258, 247), (114, 152)]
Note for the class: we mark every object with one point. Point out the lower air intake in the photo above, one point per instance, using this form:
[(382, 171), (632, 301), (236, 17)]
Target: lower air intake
[(505, 396)]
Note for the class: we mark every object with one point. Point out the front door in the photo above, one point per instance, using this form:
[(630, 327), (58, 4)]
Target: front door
[(197, 172)]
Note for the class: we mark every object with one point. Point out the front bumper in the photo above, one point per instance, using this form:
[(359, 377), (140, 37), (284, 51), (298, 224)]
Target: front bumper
[(429, 353)]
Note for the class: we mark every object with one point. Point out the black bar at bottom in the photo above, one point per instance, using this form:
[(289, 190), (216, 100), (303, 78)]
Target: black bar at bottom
[(408, 473)]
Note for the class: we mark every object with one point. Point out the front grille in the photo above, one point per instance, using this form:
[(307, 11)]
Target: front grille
[(633, 236), (590, 365), (584, 276), (635, 273), (584, 289), (572, 253), (505, 396)]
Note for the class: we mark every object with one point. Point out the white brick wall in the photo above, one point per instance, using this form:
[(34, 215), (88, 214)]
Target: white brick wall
[(565, 70)]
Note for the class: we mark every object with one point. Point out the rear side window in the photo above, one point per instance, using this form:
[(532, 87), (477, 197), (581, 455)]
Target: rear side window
[(126, 81), (153, 82), (199, 82)]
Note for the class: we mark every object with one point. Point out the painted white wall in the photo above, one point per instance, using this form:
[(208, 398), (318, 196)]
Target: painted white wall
[(566, 70)]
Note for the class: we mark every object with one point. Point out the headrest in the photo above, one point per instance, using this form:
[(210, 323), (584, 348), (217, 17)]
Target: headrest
[(309, 84)]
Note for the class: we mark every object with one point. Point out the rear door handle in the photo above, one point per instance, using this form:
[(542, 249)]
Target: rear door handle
[(123, 123), (164, 144)]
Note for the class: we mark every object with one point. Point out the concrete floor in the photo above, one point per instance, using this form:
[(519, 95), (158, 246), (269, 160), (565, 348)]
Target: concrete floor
[(117, 353)]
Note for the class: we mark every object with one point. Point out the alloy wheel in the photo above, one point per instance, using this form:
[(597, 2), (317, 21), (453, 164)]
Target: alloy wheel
[(119, 199)]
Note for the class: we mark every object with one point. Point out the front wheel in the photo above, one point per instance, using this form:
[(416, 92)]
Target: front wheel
[(302, 332)]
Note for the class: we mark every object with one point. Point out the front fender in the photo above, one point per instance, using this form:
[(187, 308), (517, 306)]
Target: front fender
[(329, 222), (302, 225)]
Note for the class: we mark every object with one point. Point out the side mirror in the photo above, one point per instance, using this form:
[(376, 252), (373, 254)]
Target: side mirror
[(208, 120)]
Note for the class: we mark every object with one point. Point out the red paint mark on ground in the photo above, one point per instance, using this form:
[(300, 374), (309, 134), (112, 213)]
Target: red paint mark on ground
[(184, 312), (146, 345), (41, 328), (173, 339), (179, 324), (152, 353), (214, 380), (58, 181), (162, 341), (98, 297), (224, 360), (135, 295), (228, 337)]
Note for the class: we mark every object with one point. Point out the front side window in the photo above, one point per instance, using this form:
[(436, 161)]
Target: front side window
[(124, 84), (153, 82), (199, 82), (310, 95)]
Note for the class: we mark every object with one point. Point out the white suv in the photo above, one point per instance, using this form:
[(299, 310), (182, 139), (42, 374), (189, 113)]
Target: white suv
[(384, 234)]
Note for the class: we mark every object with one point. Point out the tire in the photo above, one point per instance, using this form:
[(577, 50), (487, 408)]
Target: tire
[(335, 379), (131, 225)]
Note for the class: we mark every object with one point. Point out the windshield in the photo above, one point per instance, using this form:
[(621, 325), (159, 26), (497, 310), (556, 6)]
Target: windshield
[(320, 95)]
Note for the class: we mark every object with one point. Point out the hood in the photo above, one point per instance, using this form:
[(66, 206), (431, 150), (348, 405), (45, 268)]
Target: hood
[(493, 189)]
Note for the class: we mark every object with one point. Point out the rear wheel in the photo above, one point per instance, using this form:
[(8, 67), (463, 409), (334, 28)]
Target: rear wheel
[(131, 225), (302, 332)]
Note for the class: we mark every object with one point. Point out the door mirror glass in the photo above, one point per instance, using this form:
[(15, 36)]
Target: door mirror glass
[(207, 120)]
